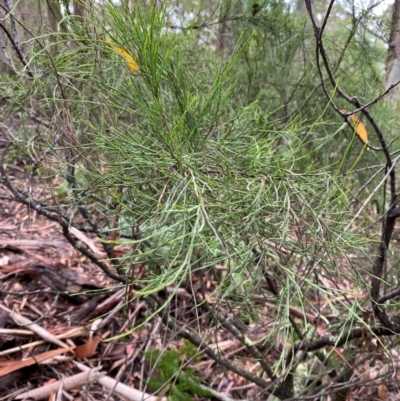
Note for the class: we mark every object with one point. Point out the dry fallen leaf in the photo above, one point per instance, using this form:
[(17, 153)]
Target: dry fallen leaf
[(12, 366), (382, 392), (89, 348)]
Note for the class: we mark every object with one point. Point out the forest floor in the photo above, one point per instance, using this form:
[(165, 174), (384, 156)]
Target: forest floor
[(57, 323)]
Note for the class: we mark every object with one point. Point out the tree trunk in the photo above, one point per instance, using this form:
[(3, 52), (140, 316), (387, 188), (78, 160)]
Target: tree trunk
[(393, 57)]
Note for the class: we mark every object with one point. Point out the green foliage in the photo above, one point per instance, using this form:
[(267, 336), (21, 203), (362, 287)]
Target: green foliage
[(183, 383), (198, 150), (220, 158)]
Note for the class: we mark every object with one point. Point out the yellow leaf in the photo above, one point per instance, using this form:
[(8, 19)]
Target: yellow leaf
[(359, 128), (132, 64)]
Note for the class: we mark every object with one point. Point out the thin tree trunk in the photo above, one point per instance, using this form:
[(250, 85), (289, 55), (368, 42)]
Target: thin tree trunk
[(393, 57)]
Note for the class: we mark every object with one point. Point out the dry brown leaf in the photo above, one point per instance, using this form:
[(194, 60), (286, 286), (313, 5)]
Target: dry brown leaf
[(13, 366), (89, 348), (382, 392)]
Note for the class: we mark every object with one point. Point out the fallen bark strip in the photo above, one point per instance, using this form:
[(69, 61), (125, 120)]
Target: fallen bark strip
[(75, 332), (30, 243), (7, 366), (40, 331), (68, 383), (122, 389)]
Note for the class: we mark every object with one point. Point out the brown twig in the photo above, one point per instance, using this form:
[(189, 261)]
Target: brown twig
[(388, 222)]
